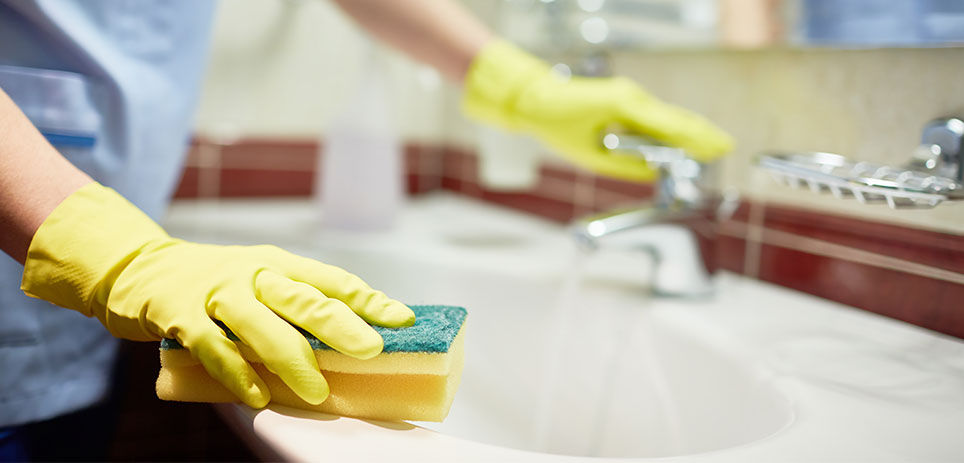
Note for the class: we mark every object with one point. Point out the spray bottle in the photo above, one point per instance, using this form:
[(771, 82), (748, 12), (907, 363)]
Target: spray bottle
[(360, 178)]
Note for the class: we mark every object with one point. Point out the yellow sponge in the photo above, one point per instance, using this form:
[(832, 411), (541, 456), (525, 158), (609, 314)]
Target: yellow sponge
[(414, 378)]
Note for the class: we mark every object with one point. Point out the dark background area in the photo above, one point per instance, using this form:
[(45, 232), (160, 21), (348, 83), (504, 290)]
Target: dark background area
[(150, 429)]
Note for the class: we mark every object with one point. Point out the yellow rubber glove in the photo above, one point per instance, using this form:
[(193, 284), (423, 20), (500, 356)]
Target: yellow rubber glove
[(99, 255), (508, 87)]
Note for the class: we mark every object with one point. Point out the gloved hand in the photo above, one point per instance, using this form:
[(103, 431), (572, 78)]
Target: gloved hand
[(98, 254), (509, 88)]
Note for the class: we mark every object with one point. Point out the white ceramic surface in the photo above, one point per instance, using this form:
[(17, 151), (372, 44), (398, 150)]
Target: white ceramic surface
[(568, 357)]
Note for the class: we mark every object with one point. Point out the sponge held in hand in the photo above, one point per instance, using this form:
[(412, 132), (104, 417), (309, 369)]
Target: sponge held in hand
[(414, 378)]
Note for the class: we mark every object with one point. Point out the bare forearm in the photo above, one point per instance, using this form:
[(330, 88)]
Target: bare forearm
[(440, 33), (34, 179)]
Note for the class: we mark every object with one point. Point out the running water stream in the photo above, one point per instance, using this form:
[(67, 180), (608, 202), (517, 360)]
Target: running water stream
[(624, 336), (563, 318)]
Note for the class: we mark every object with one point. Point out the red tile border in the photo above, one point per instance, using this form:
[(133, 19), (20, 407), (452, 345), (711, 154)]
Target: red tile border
[(293, 157), (258, 153), (631, 189), (742, 212), (188, 185), (606, 200), (557, 211), (235, 183), (556, 172), (941, 250), (730, 253), (451, 184), (192, 159), (926, 302), (558, 188)]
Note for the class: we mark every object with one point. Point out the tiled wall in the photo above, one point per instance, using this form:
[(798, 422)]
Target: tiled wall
[(285, 167), (866, 104), (288, 69), (906, 273), (275, 88)]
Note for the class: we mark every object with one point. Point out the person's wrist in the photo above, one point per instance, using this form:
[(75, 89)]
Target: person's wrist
[(497, 76), (83, 245)]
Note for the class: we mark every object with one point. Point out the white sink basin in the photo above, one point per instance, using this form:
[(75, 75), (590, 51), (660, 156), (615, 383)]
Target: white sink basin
[(571, 357), (583, 370)]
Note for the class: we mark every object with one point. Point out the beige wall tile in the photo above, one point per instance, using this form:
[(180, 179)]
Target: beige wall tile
[(866, 104), (286, 68)]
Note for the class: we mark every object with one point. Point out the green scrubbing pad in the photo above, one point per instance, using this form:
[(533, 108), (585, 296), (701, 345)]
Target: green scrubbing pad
[(414, 378)]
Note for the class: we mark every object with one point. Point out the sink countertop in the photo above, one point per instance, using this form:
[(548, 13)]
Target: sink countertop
[(862, 387)]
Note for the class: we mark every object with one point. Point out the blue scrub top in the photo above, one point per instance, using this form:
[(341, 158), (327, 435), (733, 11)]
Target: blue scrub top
[(113, 85)]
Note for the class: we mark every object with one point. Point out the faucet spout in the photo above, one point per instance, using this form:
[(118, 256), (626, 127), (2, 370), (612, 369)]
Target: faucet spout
[(678, 264), (588, 231)]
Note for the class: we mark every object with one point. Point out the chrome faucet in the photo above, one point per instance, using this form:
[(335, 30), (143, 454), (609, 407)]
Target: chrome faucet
[(656, 226)]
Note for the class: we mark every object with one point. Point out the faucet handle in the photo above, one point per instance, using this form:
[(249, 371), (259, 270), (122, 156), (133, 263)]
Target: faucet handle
[(681, 177), (653, 152), (941, 151)]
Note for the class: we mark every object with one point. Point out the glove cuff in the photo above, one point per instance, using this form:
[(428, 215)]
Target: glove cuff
[(498, 75), (83, 245)]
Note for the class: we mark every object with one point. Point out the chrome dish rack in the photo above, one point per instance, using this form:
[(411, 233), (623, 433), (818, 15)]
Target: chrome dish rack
[(933, 176)]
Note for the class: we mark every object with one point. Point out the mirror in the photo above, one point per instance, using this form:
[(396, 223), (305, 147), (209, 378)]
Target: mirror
[(578, 25)]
